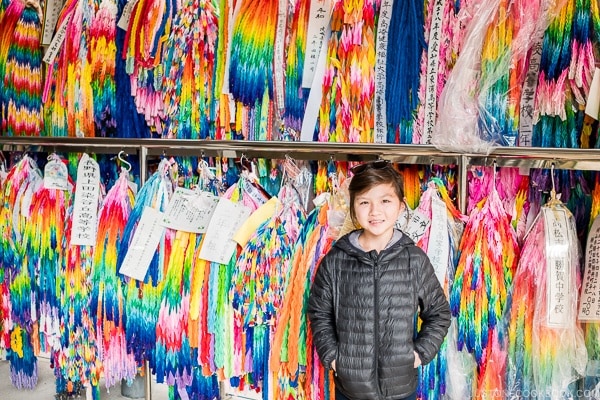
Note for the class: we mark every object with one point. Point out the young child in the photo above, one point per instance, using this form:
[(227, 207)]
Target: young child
[(367, 293)]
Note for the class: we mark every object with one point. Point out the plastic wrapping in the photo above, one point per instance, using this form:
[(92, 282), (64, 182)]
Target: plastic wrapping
[(543, 359), (456, 127), (461, 368), (480, 105)]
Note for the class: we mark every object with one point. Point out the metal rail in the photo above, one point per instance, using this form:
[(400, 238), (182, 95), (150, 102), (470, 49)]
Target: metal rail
[(532, 157)]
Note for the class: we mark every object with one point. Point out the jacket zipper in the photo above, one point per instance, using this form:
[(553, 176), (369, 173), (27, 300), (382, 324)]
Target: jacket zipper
[(376, 327)]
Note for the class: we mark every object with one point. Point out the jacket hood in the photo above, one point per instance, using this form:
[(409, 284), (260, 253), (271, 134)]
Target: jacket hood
[(369, 257)]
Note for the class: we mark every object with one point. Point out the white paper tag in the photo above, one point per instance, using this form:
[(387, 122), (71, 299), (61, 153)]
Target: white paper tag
[(311, 113), (85, 208), (56, 175), (417, 226), (51, 13), (438, 248), (143, 245), (528, 95), (189, 210), (589, 301), (57, 41), (383, 27), (433, 58), (126, 14), (559, 268), (279, 55), (318, 21), (218, 245)]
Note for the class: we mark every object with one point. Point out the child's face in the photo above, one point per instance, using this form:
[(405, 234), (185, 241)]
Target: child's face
[(377, 210)]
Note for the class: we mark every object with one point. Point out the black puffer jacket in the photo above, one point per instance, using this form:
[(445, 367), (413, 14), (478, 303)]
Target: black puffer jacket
[(362, 308)]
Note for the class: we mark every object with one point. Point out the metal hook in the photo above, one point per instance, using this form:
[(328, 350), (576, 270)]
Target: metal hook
[(124, 161), (245, 163)]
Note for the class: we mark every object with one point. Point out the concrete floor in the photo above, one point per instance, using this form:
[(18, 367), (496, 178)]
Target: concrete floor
[(45, 389)]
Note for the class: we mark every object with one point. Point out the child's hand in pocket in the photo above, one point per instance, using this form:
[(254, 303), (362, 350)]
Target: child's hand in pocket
[(417, 360)]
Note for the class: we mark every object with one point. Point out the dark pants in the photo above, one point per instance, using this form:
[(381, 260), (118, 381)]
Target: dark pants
[(340, 396)]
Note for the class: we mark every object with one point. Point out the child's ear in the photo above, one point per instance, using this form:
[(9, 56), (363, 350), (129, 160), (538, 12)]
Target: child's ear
[(403, 205)]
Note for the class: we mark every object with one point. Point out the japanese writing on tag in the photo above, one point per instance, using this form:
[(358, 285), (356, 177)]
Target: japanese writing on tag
[(589, 301), (85, 209), (142, 248), (417, 226), (383, 27), (435, 38), (438, 248), (318, 20), (51, 14), (559, 269), (218, 245), (126, 14), (57, 41), (189, 210)]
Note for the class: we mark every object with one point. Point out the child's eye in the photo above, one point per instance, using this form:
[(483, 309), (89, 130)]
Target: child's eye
[(386, 201), (363, 202)]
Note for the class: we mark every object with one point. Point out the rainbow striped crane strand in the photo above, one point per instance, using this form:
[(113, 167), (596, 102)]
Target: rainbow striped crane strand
[(76, 361), (582, 64), (42, 246), (139, 51), (143, 298), (21, 70), (18, 328), (554, 98), (217, 325), (506, 43), (346, 113), (188, 63), (432, 377), (251, 63), (173, 350), (296, 96), (489, 254), (101, 55), (543, 358), (257, 290), (294, 365), (107, 304), (67, 93)]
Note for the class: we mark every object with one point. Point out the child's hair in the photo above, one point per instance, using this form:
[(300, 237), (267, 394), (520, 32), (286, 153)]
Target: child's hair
[(368, 175)]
